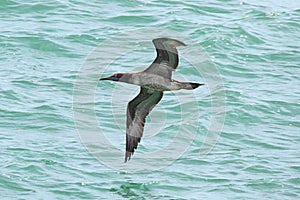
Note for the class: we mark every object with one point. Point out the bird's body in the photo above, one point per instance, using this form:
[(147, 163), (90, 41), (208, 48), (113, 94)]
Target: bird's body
[(153, 81)]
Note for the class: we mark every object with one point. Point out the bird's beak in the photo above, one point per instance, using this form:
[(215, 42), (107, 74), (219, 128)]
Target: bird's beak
[(110, 78), (106, 78)]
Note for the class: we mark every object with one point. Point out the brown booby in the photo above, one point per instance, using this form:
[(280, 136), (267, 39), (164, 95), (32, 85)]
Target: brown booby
[(153, 81)]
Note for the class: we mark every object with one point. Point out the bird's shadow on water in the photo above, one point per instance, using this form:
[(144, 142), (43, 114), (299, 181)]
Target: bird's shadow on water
[(127, 188), (143, 189), (131, 190), (146, 185)]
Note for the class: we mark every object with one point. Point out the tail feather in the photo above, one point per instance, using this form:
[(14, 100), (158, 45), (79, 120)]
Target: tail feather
[(194, 85)]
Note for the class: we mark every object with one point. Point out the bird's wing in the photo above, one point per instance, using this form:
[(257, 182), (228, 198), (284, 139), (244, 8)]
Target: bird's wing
[(137, 111), (166, 59)]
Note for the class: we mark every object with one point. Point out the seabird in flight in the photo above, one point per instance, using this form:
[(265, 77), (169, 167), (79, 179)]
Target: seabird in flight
[(153, 81)]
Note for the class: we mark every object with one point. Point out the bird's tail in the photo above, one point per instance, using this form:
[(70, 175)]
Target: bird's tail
[(191, 86)]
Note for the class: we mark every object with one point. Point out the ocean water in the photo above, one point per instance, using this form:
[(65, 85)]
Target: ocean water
[(49, 143)]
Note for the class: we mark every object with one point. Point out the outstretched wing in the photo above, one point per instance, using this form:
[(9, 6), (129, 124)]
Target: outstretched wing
[(166, 59), (137, 111)]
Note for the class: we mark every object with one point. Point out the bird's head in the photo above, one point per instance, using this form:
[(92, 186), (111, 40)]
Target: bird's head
[(115, 77)]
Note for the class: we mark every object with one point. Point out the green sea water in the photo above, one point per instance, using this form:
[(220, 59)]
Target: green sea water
[(255, 46)]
